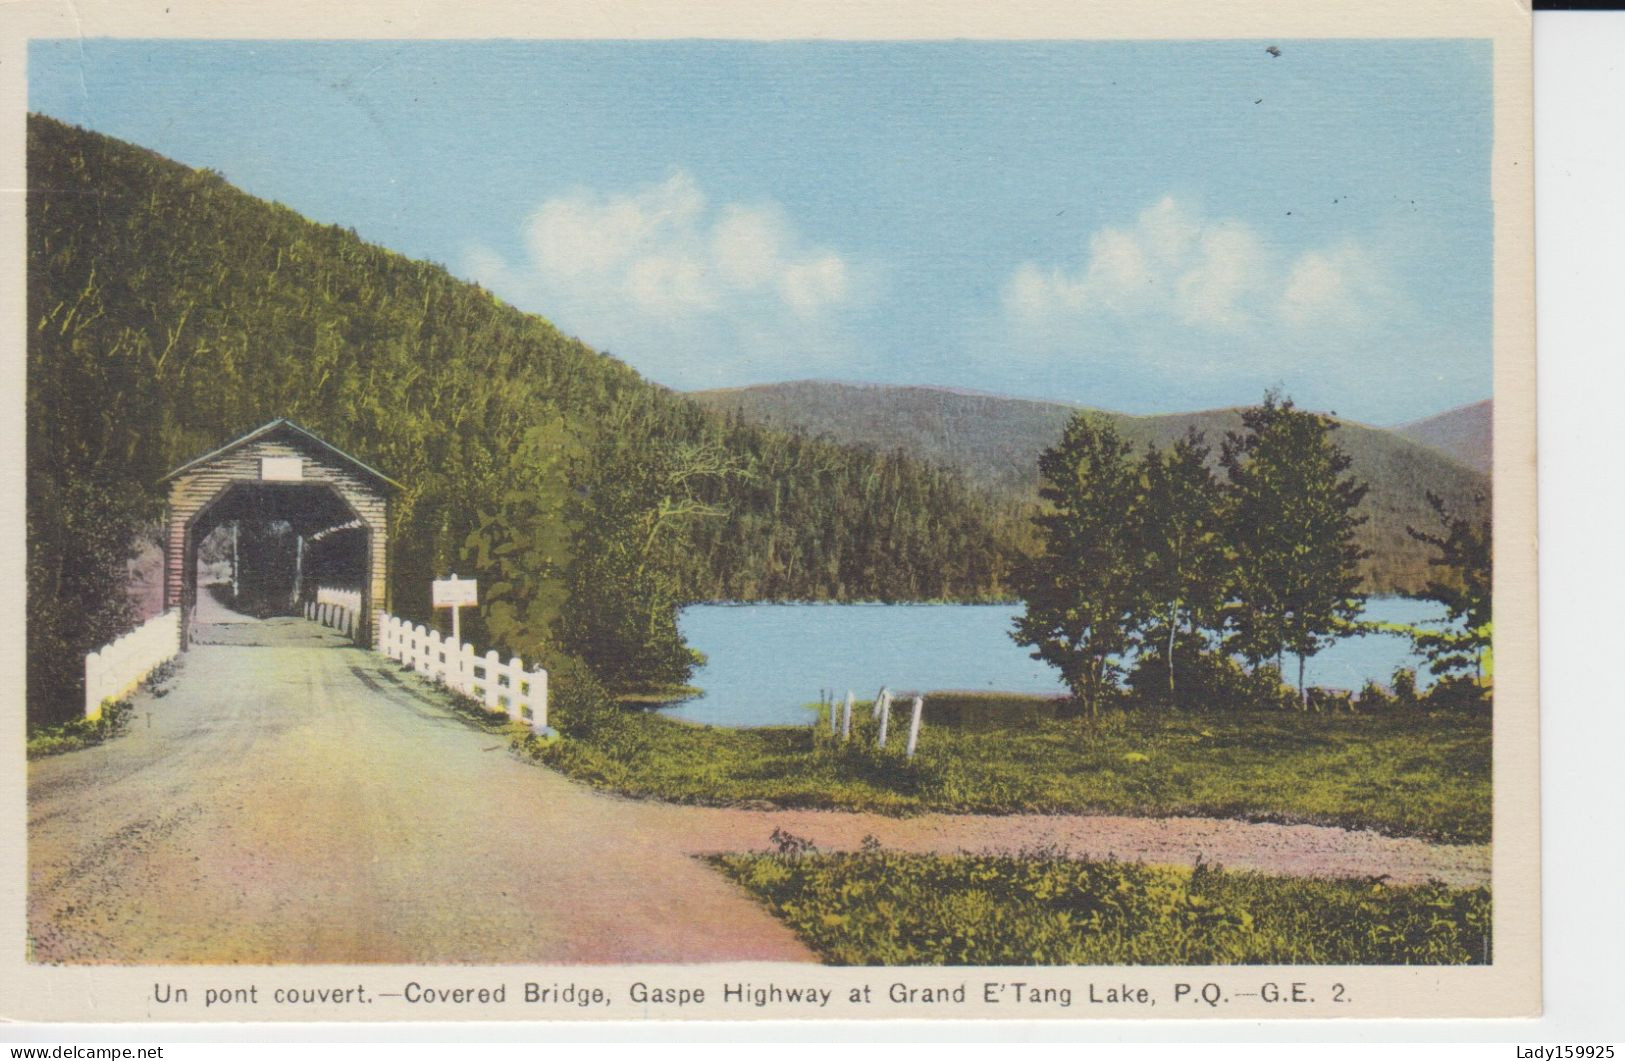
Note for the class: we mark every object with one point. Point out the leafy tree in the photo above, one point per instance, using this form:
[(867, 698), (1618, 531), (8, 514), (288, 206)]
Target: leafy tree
[(1081, 591), (1292, 528), (81, 536), (632, 507), (519, 547), (1463, 584), (1178, 533)]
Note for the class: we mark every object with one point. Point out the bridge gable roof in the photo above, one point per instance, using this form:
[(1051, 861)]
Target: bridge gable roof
[(283, 426)]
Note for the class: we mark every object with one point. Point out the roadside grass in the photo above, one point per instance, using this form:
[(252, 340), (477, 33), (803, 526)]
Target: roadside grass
[(878, 907), (77, 733), (474, 711), (1404, 773)]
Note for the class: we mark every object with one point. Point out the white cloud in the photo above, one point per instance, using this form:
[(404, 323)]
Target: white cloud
[(673, 283), (1223, 274), (747, 244), (810, 285), (1171, 306), (1170, 262), (1172, 266), (1332, 286)]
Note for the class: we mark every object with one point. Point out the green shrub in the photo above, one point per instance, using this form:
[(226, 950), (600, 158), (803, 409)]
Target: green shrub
[(1373, 697), (1204, 680), (79, 732), (876, 907), (1323, 699), (1404, 687), (1457, 692), (858, 757)]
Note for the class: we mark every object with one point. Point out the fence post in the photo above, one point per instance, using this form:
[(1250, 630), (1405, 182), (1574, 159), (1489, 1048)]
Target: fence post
[(516, 678), (914, 725), (538, 699), (834, 715), (492, 664), (437, 666), (846, 717), (459, 666), (883, 707), (93, 683)]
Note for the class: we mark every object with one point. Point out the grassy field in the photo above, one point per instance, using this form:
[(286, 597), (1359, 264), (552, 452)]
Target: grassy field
[(1401, 773), (884, 908)]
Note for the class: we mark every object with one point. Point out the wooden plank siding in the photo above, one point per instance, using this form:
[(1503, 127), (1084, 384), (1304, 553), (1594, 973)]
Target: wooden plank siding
[(194, 489)]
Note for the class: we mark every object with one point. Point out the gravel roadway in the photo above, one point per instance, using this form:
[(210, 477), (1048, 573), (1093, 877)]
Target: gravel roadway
[(292, 799)]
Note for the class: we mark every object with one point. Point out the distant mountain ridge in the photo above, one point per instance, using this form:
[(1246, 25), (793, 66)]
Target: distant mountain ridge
[(1466, 433), (995, 442)]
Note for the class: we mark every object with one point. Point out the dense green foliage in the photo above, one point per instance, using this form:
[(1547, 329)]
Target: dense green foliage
[(1179, 532), (170, 313), (1464, 584), (1291, 516), (1153, 553), (1082, 586), (1410, 773), (878, 907), (995, 442)]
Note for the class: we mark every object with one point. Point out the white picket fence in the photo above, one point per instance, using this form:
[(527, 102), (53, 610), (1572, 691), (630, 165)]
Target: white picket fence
[(499, 686), (333, 616), (115, 669), (344, 598)]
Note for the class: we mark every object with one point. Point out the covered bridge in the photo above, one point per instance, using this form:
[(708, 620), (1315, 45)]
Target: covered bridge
[(297, 516)]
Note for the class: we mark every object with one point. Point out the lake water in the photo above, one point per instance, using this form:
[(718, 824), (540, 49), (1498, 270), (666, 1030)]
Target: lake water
[(766, 661)]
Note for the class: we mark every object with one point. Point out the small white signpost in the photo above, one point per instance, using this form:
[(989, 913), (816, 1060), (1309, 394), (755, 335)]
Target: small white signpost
[(454, 593)]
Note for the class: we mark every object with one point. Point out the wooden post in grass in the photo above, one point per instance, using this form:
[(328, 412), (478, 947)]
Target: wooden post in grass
[(883, 708), (846, 717), (834, 715), (914, 725)]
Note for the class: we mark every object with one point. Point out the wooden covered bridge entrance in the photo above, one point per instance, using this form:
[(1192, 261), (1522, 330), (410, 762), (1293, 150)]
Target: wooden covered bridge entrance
[(298, 518)]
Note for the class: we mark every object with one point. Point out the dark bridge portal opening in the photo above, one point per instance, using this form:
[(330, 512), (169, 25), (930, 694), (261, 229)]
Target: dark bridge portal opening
[(266, 523), (265, 548)]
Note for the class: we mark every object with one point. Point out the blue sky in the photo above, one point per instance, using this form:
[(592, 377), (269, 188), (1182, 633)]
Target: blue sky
[(1141, 226)]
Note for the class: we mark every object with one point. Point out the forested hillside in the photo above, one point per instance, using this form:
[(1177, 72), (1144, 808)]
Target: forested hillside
[(169, 313), (995, 442)]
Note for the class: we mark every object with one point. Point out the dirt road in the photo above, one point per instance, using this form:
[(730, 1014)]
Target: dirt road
[(295, 800)]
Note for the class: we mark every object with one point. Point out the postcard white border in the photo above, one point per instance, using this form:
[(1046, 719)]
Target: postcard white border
[(1509, 987)]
